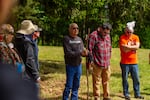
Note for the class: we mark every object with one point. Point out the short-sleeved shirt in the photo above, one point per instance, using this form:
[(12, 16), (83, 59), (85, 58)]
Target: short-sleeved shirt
[(131, 56)]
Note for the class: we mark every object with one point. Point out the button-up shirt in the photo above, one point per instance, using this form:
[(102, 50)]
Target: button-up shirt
[(100, 49)]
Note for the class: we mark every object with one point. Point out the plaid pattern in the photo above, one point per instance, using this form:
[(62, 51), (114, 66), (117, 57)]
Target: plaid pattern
[(100, 49)]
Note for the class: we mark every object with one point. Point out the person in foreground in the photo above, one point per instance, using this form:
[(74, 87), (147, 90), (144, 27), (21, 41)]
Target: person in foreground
[(13, 87), (129, 44), (100, 51), (73, 50)]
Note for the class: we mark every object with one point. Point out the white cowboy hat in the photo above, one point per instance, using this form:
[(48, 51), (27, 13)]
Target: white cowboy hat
[(27, 27)]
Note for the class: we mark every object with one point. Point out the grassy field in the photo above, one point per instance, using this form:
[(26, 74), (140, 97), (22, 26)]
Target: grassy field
[(53, 76)]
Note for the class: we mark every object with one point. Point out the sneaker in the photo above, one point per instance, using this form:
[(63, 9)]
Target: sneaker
[(127, 98), (106, 99), (139, 97)]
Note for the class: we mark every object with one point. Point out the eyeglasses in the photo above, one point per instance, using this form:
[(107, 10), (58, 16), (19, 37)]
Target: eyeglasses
[(75, 28)]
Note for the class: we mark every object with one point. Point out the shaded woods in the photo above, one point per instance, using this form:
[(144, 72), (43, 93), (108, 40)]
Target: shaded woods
[(54, 16)]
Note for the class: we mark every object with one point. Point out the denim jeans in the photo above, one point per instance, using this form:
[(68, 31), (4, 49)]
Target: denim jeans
[(133, 69), (73, 74)]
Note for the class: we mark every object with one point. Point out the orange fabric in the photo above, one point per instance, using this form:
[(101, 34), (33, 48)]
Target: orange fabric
[(131, 56)]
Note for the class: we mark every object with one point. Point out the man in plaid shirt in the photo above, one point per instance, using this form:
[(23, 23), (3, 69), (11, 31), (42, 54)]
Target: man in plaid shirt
[(100, 51)]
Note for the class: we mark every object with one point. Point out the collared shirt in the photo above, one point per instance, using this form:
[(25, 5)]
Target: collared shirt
[(100, 49)]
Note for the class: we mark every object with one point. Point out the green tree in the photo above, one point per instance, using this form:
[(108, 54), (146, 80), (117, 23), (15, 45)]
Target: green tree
[(54, 16)]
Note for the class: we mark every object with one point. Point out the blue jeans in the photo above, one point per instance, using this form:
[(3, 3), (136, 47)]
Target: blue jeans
[(133, 69), (73, 74)]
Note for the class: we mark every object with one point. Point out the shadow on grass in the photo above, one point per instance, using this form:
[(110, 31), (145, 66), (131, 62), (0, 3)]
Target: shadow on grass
[(146, 93), (49, 66), (117, 75), (117, 95)]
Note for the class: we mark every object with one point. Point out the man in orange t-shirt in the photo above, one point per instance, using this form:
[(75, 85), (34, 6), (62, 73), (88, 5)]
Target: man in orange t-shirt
[(129, 43)]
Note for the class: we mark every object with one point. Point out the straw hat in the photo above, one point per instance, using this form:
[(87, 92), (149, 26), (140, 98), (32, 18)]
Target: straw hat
[(27, 27)]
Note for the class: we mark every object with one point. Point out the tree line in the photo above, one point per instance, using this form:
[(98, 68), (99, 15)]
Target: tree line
[(54, 17)]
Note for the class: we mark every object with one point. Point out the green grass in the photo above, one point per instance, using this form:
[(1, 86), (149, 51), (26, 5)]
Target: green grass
[(53, 75)]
